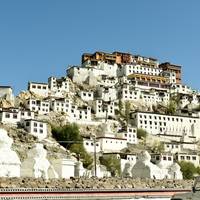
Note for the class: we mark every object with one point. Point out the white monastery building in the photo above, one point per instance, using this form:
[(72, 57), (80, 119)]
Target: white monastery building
[(39, 106), (163, 124), (36, 128), (40, 89)]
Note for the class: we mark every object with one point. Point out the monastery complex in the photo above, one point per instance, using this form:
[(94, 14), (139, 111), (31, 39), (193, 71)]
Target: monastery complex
[(118, 94)]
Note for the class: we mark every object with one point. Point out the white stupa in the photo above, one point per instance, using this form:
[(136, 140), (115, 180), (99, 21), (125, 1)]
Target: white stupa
[(175, 171), (144, 168), (37, 164), (9, 160)]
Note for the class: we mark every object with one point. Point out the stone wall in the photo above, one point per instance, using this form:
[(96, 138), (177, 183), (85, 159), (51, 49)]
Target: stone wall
[(95, 183)]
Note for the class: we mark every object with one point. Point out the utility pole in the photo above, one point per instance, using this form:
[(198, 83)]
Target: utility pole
[(95, 156)]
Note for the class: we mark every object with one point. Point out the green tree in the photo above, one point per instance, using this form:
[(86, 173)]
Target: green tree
[(82, 154), (188, 169), (198, 170), (112, 164), (127, 111), (141, 133), (158, 147), (171, 108), (69, 137), (121, 106)]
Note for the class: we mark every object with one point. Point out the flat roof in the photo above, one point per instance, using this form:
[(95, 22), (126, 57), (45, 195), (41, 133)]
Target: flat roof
[(38, 83), (171, 65), (5, 86), (164, 114), (106, 137)]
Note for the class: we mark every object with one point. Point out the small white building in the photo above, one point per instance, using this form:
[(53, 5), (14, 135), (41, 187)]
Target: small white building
[(39, 106), (89, 144), (15, 116), (61, 105), (104, 109), (58, 87), (10, 117), (130, 134), (110, 143), (129, 93), (40, 89), (165, 159), (36, 128), (6, 92), (107, 81), (183, 89), (106, 93), (86, 95), (147, 96), (83, 113), (188, 157), (172, 147)]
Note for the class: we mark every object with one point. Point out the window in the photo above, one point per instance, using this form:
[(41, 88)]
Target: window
[(188, 157), (193, 158), (14, 116), (41, 130), (41, 125), (35, 124), (7, 115), (35, 130), (33, 86), (27, 123), (182, 157)]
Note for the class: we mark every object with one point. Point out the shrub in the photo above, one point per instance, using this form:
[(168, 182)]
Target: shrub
[(188, 169), (69, 137), (141, 133), (112, 164)]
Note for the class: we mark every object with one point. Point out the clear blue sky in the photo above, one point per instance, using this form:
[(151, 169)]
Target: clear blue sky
[(40, 38)]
